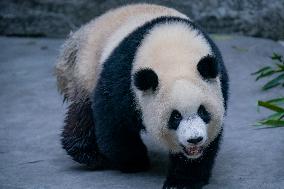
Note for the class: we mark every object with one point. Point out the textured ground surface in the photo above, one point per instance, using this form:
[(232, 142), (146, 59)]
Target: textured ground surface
[(31, 114), (55, 18)]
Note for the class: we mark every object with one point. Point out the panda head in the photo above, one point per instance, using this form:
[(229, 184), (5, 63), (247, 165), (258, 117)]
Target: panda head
[(177, 89)]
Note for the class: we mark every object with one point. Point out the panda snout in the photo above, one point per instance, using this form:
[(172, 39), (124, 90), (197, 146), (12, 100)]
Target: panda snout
[(195, 141)]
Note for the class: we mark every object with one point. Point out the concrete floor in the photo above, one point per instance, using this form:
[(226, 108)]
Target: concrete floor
[(32, 113)]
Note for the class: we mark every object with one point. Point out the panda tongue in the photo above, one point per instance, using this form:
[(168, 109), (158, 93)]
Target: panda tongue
[(193, 150)]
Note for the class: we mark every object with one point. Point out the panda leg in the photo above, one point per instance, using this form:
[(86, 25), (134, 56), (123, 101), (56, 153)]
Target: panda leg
[(191, 174), (78, 137), (123, 147)]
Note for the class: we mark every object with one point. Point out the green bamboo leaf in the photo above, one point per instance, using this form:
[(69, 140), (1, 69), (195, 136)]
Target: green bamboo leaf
[(274, 123), (274, 82), (270, 106), (257, 124), (276, 116), (269, 86), (281, 66), (276, 56), (265, 74), (261, 70), (276, 100)]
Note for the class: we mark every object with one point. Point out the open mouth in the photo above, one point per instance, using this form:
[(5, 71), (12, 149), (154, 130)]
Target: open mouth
[(193, 151)]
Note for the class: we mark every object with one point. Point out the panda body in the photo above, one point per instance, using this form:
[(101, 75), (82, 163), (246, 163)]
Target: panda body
[(83, 53), (143, 67)]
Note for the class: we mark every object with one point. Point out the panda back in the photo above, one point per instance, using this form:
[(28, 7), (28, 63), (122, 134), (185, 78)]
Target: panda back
[(84, 52)]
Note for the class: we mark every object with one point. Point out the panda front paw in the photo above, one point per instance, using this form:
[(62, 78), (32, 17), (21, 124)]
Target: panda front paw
[(182, 184)]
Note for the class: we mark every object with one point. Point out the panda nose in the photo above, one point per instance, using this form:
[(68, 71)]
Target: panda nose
[(195, 140)]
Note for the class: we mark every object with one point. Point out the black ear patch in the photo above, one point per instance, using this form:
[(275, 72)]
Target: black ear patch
[(146, 79), (208, 67)]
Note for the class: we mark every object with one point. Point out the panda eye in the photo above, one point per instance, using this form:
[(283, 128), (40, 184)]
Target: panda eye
[(176, 115), (204, 114), (175, 119)]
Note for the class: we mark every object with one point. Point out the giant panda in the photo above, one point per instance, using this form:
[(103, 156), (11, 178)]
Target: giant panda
[(149, 68)]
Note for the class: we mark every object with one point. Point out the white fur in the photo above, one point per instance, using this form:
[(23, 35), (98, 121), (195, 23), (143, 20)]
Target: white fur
[(173, 50), (98, 38), (191, 127), (132, 24)]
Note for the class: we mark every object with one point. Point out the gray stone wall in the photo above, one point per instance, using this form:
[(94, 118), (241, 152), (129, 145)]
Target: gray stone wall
[(56, 18)]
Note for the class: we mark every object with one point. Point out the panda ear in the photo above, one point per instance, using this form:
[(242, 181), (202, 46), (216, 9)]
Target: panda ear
[(208, 67), (146, 79)]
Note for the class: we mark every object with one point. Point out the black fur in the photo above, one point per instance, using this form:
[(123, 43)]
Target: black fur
[(146, 79), (204, 114), (208, 67), (195, 140), (115, 136), (224, 78), (174, 120), (78, 137), (192, 174)]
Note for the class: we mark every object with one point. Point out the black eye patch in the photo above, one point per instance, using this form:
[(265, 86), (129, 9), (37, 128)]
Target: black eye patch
[(204, 114), (174, 120), (146, 79), (208, 67)]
